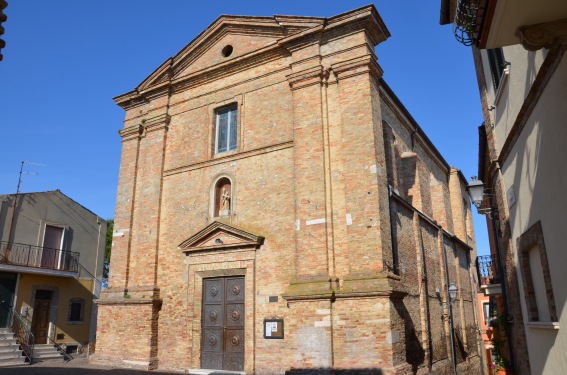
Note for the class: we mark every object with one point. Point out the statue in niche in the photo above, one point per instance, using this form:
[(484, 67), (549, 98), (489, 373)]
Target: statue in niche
[(225, 202)]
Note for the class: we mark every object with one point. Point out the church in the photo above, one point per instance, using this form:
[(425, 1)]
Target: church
[(280, 211)]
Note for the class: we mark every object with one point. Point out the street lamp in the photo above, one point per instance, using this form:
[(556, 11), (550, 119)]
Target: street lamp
[(453, 292), (452, 295), (478, 194), (476, 191)]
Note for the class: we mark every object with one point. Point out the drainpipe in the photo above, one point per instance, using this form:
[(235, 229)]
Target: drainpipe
[(449, 305)]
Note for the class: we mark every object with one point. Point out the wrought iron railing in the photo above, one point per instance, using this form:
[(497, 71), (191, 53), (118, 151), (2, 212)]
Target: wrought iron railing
[(469, 20), (38, 257), (487, 269), (22, 331)]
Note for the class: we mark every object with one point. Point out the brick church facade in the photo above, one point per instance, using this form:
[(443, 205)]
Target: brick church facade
[(279, 210)]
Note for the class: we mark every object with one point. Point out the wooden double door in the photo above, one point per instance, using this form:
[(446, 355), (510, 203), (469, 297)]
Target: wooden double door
[(222, 347)]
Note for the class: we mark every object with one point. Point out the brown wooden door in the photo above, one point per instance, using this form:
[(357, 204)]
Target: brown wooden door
[(51, 246), (223, 324), (40, 320)]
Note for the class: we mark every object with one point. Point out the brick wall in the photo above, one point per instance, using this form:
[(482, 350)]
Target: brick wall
[(349, 267)]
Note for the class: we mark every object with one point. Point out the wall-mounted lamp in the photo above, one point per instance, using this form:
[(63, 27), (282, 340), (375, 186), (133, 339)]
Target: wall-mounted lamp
[(478, 195), (453, 292)]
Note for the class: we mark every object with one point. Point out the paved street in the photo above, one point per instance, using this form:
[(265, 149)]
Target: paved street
[(78, 366)]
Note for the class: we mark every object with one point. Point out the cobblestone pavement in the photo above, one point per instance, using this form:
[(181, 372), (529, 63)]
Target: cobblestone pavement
[(78, 366)]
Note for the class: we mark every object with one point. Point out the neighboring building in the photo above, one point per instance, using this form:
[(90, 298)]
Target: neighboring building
[(51, 258), (280, 210), (487, 318), (519, 53)]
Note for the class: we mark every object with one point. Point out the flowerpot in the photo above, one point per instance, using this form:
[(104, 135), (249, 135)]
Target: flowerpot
[(503, 371)]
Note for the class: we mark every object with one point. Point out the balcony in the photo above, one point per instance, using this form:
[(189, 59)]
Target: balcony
[(40, 260), (488, 275)]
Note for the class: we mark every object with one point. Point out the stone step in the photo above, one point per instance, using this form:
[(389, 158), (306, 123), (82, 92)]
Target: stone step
[(9, 349), (44, 352), (14, 363), (10, 356), (4, 343)]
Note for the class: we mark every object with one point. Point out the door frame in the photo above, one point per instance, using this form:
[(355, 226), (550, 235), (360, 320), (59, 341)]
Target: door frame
[(53, 307), (197, 273), (225, 301)]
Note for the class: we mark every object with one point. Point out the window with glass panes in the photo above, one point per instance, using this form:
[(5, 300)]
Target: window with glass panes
[(227, 128)]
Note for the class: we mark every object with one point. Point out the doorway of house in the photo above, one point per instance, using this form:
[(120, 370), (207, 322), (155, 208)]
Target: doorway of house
[(40, 318), (7, 291), (222, 347), (52, 245)]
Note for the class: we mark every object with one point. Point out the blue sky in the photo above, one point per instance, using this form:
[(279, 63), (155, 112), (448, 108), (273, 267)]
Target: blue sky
[(65, 60)]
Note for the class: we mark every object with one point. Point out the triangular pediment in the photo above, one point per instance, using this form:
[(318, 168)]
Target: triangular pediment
[(246, 35), (220, 236)]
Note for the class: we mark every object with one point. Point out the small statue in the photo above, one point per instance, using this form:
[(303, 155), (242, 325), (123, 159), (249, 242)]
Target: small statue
[(225, 199)]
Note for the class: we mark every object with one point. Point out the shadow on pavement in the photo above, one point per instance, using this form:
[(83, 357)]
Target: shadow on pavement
[(329, 371), (74, 369)]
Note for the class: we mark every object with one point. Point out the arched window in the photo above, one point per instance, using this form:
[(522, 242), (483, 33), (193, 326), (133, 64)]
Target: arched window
[(223, 197)]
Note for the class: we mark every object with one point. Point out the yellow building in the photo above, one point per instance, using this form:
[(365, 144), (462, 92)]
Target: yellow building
[(51, 261)]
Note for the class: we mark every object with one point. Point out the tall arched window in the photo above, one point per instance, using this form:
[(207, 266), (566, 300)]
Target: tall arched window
[(223, 197)]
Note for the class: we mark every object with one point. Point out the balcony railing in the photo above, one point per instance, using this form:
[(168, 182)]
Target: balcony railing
[(469, 21), (487, 270), (18, 254)]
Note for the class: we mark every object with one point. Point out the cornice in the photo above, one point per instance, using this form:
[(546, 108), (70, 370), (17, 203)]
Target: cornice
[(228, 158), (543, 35), (156, 123), (307, 77), (367, 18), (131, 132), (195, 243), (360, 65)]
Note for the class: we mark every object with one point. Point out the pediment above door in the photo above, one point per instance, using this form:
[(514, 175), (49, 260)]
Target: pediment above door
[(220, 236)]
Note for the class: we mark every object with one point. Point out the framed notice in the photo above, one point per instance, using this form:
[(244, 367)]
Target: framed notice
[(273, 329)]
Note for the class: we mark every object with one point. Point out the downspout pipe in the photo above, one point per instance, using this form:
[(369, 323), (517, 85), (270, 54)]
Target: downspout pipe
[(449, 304)]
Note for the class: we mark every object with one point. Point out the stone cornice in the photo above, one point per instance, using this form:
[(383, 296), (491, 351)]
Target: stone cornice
[(228, 158), (308, 77), (241, 239), (543, 35), (129, 301), (131, 132), (360, 65), (156, 123)]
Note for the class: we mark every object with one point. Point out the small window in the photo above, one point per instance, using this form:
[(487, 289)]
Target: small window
[(76, 310), (536, 277), (497, 65), (486, 312), (226, 129), (227, 50)]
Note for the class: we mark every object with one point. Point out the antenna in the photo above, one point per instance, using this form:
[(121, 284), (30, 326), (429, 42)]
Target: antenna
[(15, 205), (26, 172)]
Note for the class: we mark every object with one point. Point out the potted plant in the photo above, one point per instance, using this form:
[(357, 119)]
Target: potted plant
[(501, 326)]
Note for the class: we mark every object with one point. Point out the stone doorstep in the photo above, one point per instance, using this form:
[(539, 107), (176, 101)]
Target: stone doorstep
[(196, 371), (14, 363), (11, 355)]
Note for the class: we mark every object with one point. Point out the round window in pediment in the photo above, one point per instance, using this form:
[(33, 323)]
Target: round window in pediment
[(227, 50)]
